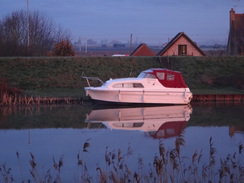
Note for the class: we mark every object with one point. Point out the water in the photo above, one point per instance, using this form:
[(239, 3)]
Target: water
[(133, 135)]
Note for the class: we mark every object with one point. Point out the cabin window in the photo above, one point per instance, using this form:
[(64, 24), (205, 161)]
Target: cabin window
[(182, 49), (170, 77), (128, 85), (129, 125), (170, 131), (160, 75), (137, 85), (119, 85)]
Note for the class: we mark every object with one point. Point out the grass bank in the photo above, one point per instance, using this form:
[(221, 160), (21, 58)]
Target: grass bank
[(61, 76)]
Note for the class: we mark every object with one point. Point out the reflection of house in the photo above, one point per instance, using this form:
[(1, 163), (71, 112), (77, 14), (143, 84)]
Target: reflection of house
[(142, 50), (236, 34), (234, 129), (181, 45)]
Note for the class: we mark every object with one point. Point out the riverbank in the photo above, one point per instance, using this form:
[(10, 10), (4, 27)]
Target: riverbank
[(58, 79), (32, 73)]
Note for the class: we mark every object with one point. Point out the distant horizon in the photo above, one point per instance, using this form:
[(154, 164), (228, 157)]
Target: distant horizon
[(111, 42), (150, 39), (152, 22)]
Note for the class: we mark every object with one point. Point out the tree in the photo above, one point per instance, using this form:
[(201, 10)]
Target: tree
[(43, 34), (63, 48)]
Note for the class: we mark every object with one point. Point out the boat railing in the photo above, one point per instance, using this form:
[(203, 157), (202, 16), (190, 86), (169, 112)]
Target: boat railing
[(92, 78)]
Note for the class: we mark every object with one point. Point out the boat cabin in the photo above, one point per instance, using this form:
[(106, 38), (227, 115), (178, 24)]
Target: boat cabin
[(169, 129), (168, 78)]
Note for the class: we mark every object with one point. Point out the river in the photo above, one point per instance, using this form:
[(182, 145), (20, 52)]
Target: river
[(78, 143)]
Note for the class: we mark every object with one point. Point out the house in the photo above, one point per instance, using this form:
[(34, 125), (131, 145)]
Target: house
[(142, 50), (235, 44), (181, 45)]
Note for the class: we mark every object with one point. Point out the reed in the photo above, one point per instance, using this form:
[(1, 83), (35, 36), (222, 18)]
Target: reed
[(57, 166), (168, 166), (9, 100), (6, 174), (20, 167), (84, 174), (10, 96), (34, 172)]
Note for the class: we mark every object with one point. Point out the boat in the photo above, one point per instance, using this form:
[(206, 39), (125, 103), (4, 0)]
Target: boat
[(152, 86), (157, 122)]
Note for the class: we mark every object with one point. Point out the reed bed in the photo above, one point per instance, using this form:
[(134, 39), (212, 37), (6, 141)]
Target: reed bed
[(10, 96), (11, 100), (168, 166)]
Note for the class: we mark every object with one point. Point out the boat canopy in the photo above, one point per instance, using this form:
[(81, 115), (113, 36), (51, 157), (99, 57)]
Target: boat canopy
[(169, 129), (168, 78)]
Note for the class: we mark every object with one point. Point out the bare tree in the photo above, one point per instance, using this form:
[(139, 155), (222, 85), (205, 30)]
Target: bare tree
[(43, 34)]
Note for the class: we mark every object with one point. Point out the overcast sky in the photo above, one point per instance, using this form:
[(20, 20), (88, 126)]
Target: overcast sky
[(150, 21)]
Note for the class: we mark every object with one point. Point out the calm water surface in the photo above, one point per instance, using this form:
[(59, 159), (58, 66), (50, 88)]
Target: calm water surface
[(51, 133)]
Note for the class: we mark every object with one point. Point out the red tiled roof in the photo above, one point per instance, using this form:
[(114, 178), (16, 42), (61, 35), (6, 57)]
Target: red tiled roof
[(142, 50)]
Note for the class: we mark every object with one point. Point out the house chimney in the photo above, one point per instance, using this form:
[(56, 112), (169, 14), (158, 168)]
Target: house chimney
[(232, 15)]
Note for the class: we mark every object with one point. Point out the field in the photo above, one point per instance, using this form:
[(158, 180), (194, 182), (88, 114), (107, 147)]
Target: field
[(61, 76)]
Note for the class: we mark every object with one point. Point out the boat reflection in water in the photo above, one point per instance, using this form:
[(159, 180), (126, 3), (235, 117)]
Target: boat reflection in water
[(158, 122)]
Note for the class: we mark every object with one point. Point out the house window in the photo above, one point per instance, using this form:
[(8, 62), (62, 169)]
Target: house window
[(182, 49)]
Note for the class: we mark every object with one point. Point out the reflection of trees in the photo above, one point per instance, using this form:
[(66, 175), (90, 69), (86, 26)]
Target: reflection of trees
[(217, 114), (43, 116), (57, 115)]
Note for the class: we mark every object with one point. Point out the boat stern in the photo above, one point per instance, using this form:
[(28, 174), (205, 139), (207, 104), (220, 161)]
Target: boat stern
[(87, 89), (188, 96)]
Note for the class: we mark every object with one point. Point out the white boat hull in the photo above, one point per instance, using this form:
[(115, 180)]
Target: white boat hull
[(153, 86), (177, 96)]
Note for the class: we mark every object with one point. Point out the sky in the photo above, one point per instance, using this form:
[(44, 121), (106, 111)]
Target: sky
[(148, 21)]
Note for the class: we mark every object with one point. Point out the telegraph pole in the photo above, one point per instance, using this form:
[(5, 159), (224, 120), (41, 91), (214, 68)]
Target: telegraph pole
[(86, 46), (79, 43), (131, 43), (28, 28)]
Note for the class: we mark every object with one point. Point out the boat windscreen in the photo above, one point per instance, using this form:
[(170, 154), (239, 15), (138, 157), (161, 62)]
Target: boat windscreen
[(142, 75), (146, 75)]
